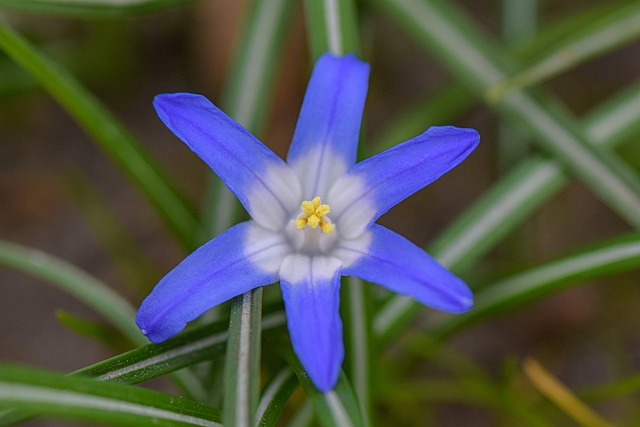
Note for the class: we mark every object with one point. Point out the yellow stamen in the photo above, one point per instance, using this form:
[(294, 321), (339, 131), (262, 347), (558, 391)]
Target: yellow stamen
[(314, 215)]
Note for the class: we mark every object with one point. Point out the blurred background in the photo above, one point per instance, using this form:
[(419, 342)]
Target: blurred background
[(59, 193)]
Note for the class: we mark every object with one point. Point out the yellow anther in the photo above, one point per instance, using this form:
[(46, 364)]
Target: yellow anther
[(313, 221), (314, 215), (327, 227)]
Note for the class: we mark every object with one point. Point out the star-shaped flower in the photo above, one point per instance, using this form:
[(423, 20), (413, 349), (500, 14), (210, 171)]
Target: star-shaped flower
[(313, 217)]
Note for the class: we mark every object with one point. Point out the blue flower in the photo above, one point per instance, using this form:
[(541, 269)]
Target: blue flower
[(313, 217)]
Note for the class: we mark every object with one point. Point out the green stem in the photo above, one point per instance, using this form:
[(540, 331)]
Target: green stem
[(108, 132)]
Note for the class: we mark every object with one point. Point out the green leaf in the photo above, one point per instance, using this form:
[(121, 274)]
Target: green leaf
[(338, 407), (332, 27), (107, 131), (245, 99), (76, 282), (246, 95), (124, 252), (357, 332), (470, 56), (94, 330), (435, 111), (242, 364), (510, 201), (195, 345), (612, 257), (79, 398), (608, 32), (275, 396), (91, 8)]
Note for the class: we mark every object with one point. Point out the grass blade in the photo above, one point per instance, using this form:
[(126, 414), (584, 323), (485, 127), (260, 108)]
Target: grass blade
[(87, 399), (144, 363), (612, 257), (247, 92), (510, 201), (242, 365), (275, 396), (153, 360), (76, 282), (475, 60), (604, 34), (339, 407), (558, 393), (105, 129), (332, 27), (91, 8)]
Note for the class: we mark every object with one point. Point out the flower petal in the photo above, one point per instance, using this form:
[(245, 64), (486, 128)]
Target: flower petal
[(242, 258), (374, 185), (311, 293), (382, 256), (326, 137), (262, 181)]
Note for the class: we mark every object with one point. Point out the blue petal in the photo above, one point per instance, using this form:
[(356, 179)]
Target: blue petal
[(325, 141), (376, 184), (263, 183), (311, 293), (397, 264), (242, 258)]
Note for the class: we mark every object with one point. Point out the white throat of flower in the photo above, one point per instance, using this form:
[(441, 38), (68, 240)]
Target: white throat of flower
[(312, 232)]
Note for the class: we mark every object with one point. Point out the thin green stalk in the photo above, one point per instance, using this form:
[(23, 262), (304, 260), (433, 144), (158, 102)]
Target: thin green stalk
[(275, 396), (76, 282), (510, 201), (336, 408), (91, 8), (246, 95), (108, 132), (606, 33), (246, 99), (357, 333), (242, 364), (519, 19), (620, 255), (197, 344), (469, 55), (81, 398), (332, 27)]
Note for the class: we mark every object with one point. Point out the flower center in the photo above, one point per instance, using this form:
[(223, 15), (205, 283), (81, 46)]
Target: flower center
[(314, 214)]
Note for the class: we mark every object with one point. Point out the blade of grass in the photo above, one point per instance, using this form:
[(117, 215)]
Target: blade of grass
[(242, 364), (246, 100), (108, 132), (470, 56), (559, 394), (510, 201), (91, 8), (76, 282), (332, 28), (87, 399), (610, 31), (247, 92), (436, 111), (275, 396), (612, 257), (144, 363), (153, 360), (125, 254), (338, 407), (357, 333)]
